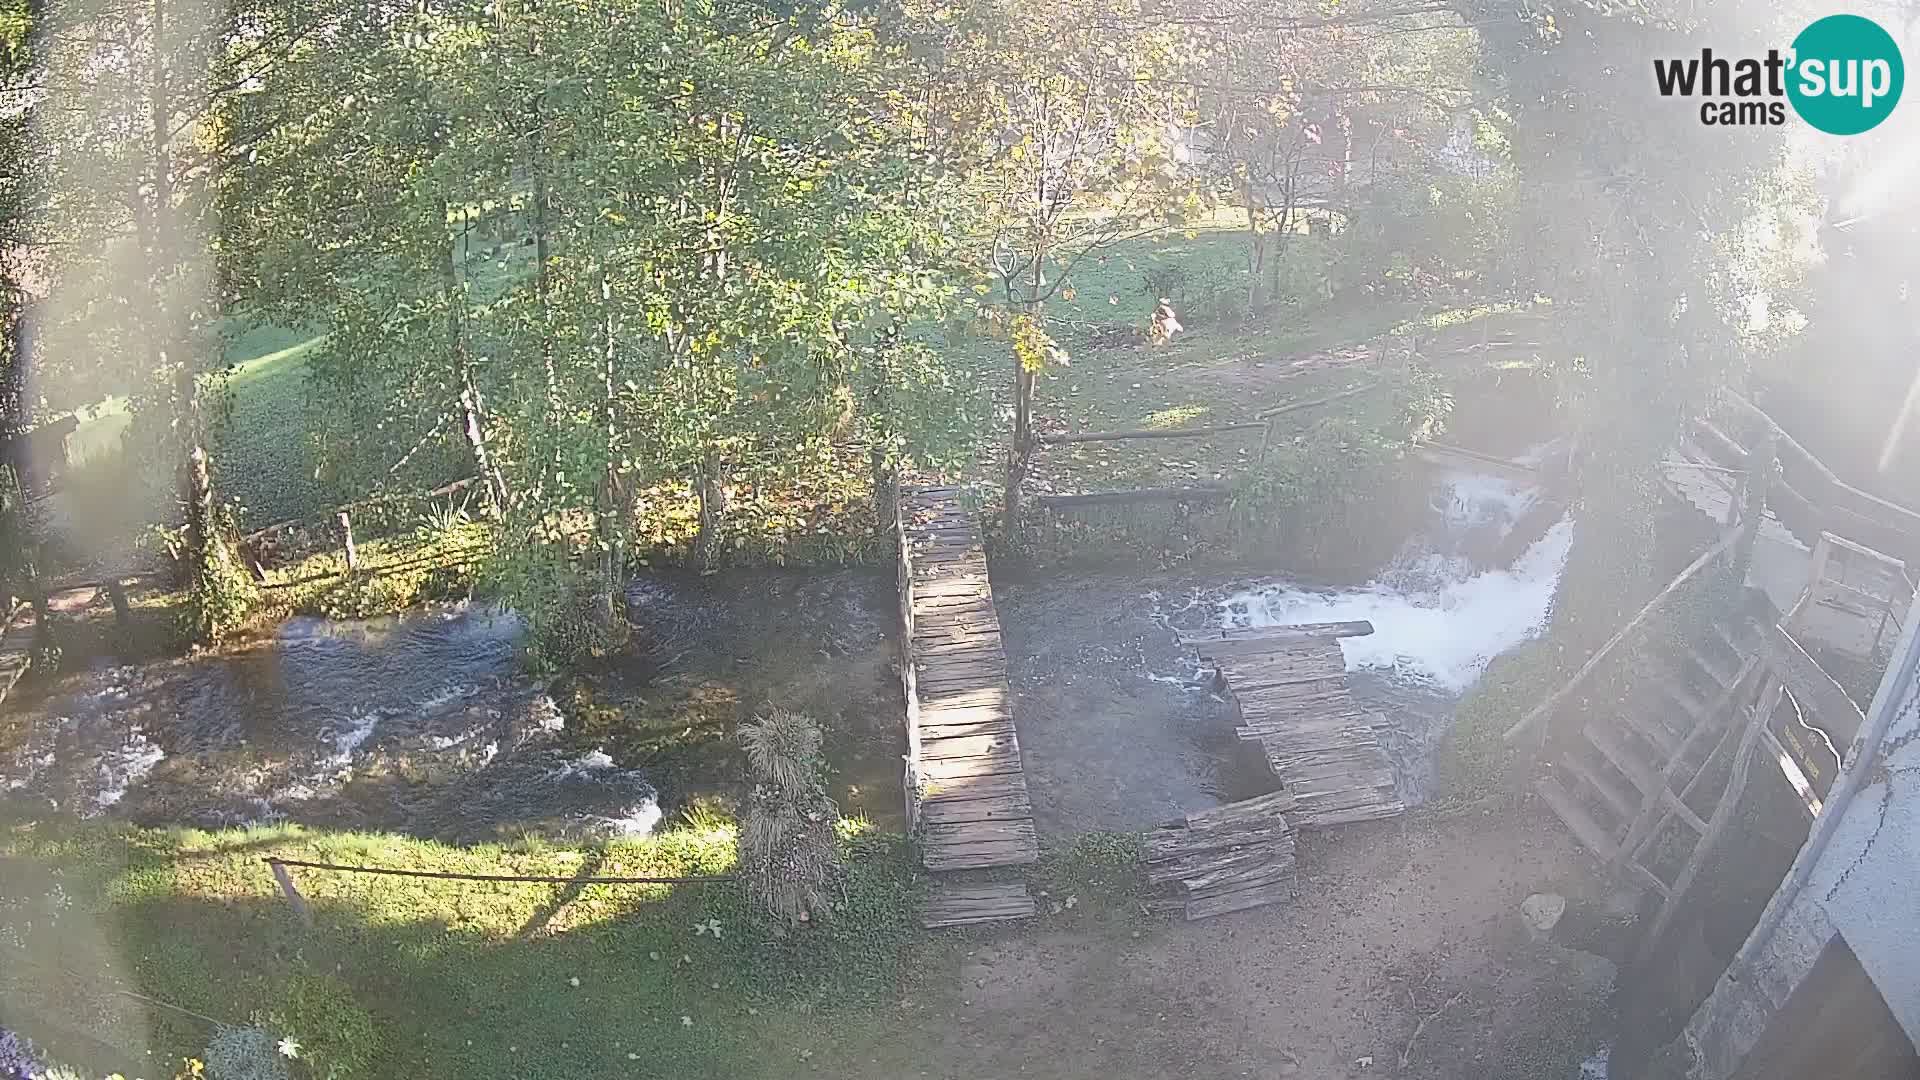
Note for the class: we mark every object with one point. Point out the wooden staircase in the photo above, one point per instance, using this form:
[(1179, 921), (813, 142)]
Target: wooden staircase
[(1640, 785)]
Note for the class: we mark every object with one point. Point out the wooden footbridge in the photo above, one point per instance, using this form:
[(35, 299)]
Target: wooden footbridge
[(966, 789), (1290, 686)]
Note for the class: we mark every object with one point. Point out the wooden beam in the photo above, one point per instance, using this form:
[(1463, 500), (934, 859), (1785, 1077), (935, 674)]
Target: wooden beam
[(1558, 697), (1282, 410), (1148, 433), (1457, 457), (1195, 493)]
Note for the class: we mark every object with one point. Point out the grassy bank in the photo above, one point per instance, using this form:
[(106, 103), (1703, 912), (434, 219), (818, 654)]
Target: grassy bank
[(121, 941)]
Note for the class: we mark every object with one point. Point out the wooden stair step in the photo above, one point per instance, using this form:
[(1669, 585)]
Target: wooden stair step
[(1640, 717), (1677, 691), (1630, 764), (1723, 674), (1622, 803), (953, 903), (1568, 810)]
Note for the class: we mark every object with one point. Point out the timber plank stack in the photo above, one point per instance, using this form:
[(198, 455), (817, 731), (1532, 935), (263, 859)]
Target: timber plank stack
[(966, 789), (1289, 684), (1229, 858)]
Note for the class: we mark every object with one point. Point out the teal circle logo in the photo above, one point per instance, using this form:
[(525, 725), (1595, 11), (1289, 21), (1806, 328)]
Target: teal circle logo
[(1845, 75)]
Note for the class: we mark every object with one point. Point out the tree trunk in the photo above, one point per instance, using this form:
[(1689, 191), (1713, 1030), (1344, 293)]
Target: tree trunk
[(1023, 387), (706, 477), (473, 416), (612, 551)]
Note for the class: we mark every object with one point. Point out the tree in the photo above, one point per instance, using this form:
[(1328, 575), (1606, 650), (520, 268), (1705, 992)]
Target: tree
[(138, 132), (1652, 235), (1292, 121)]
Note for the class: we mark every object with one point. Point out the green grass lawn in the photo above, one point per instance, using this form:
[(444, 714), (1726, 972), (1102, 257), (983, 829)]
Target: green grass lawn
[(260, 443), (119, 948), (432, 977)]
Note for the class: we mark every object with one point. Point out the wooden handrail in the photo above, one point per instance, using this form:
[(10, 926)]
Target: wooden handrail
[(1558, 697), (1864, 503)]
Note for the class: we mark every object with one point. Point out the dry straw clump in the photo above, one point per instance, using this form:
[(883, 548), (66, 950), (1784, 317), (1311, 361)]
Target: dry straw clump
[(788, 842)]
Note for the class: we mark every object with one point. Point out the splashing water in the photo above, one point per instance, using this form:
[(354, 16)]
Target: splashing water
[(1437, 621)]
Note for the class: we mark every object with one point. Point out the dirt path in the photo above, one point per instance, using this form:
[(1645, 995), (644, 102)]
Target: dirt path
[(1391, 923)]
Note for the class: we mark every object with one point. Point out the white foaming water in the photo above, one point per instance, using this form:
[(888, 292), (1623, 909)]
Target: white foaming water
[(124, 767), (1435, 620), (590, 762), (347, 741), (1476, 499), (638, 821)]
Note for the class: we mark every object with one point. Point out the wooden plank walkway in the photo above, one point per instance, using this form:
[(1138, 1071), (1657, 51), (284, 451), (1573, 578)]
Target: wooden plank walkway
[(1290, 686), (966, 789)]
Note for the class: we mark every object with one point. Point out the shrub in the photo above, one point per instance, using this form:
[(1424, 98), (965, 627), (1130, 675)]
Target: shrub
[(238, 1053), (788, 847)]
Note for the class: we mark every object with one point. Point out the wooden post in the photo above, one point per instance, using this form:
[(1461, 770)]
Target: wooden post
[(287, 889), (1760, 470), (353, 554), (122, 611)]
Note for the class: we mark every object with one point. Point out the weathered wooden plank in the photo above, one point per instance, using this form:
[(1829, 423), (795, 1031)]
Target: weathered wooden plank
[(1278, 635), (931, 733), (967, 746), (1325, 819), (954, 904), (998, 697), (981, 856), (969, 767), (995, 808), (1202, 864), (1172, 844), (969, 833), (1231, 878), (963, 789), (1256, 896)]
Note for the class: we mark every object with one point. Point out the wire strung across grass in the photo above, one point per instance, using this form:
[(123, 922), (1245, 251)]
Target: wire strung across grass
[(544, 879)]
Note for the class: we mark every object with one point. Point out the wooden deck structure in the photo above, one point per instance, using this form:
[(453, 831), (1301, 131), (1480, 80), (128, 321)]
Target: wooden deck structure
[(966, 791), (1290, 687)]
